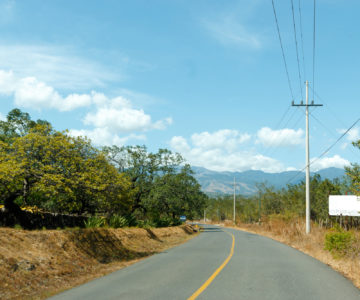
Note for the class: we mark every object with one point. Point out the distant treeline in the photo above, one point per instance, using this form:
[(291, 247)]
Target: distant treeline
[(288, 202), (59, 173)]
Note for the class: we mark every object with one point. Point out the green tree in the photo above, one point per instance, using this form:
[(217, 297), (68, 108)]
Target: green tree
[(18, 124), (61, 173), (176, 194), (353, 172), (143, 168)]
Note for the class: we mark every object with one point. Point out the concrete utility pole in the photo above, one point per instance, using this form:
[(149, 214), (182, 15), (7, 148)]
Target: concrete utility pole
[(307, 150), (234, 198)]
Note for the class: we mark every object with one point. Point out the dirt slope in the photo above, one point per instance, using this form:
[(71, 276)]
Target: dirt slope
[(37, 264)]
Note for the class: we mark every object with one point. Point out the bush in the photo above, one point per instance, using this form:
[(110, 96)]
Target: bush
[(339, 242), (176, 222), (17, 226), (166, 222), (163, 222), (95, 222), (145, 224), (118, 221), (131, 220)]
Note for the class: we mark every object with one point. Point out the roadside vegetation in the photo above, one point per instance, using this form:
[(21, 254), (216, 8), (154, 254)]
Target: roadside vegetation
[(114, 186)]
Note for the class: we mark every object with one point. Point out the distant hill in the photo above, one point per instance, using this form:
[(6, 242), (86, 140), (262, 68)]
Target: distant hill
[(213, 182)]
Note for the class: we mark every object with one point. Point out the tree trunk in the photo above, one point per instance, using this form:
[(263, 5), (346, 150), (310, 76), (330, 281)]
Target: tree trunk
[(14, 214), (25, 190)]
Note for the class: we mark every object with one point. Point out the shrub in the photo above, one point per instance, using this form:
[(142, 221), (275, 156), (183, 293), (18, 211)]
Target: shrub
[(145, 224), (117, 221), (166, 222), (176, 222), (163, 222), (95, 222), (131, 220), (17, 226), (339, 242)]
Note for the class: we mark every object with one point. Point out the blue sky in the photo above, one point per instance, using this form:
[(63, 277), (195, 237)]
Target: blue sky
[(203, 78)]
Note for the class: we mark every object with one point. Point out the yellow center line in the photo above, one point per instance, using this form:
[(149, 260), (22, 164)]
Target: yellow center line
[(216, 273)]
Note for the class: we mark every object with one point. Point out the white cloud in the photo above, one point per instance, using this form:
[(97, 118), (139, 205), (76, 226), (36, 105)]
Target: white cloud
[(115, 113), (221, 151), (282, 137), (118, 115), (29, 92), (32, 93), (2, 117), (228, 139), (180, 144), (60, 67), (7, 82), (104, 137), (227, 30), (327, 162), (124, 120), (108, 116)]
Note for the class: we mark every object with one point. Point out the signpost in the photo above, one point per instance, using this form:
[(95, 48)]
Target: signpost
[(182, 218), (344, 206)]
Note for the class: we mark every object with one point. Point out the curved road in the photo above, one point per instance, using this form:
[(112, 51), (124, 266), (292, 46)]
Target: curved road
[(259, 268)]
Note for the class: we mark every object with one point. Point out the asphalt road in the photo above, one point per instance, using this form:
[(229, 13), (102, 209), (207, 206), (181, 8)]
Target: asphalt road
[(259, 268)]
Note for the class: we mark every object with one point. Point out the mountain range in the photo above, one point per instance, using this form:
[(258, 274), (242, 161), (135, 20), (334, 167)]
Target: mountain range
[(219, 183)]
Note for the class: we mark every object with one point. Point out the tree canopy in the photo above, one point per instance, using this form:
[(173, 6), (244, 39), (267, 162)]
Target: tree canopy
[(353, 172), (61, 173)]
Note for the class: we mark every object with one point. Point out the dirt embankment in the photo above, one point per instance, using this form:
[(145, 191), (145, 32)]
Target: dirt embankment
[(293, 234), (37, 264)]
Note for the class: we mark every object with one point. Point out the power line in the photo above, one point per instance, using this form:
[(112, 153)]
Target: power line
[(335, 116), (296, 47), (326, 151), (328, 107), (283, 117), (302, 40), (331, 132), (282, 49), (314, 36), (325, 127)]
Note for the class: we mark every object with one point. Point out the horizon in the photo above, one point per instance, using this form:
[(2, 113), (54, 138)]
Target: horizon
[(295, 171)]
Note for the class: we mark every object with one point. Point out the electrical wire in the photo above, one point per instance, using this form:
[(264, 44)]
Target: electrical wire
[(314, 39), (325, 152), (296, 47), (282, 50), (328, 107), (302, 40), (331, 132)]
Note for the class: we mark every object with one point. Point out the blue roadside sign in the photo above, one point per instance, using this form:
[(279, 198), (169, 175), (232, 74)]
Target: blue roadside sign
[(183, 218)]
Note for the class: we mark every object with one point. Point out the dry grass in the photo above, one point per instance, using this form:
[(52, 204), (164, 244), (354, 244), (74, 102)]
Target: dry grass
[(292, 233), (37, 264)]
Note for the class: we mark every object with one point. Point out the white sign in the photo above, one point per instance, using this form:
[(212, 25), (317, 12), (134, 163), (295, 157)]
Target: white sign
[(344, 205)]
